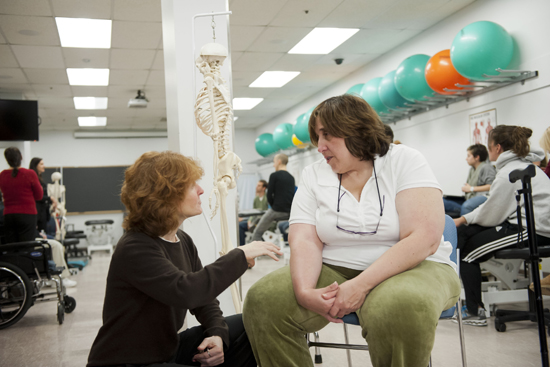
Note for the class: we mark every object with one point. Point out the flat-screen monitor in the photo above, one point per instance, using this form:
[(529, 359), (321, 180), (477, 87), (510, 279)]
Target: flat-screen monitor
[(18, 120)]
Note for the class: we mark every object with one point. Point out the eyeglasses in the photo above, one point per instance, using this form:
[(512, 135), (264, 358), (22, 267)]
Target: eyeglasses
[(382, 201)]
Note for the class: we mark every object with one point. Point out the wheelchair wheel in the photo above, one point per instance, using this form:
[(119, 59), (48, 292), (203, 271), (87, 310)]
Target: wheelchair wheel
[(70, 304), (60, 313), (15, 294)]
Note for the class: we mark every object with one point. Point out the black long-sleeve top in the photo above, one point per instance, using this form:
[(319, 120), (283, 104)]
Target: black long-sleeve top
[(280, 191), (150, 286)]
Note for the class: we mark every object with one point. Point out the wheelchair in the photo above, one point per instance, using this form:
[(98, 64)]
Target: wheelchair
[(24, 269)]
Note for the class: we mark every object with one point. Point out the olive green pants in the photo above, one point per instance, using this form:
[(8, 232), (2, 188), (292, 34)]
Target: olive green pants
[(398, 318)]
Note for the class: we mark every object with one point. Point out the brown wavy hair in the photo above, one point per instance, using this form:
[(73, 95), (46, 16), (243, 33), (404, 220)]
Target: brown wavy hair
[(514, 138), (154, 187), (353, 119)]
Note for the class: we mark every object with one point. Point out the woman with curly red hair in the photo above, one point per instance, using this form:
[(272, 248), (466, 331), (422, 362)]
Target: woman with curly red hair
[(156, 275)]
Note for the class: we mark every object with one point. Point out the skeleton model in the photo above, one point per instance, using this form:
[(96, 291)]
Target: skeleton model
[(58, 192), (213, 114)]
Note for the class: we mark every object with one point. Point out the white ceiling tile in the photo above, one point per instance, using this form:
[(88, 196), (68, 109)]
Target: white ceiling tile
[(156, 77), (47, 57), (131, 59), (278, 39), (2, 39), (64, 113), (86, 57), (120, 91), (123, 111), (243, 36), (43, 90), (365, 41), (394, 40), (278, 103), (127, 77), (96, 9), (7, 59), (294, 13), (29, 30), (140, 10), (403, 13), (158, 63), (47, 76), (244, 92), (235, 55), (294, 62), (256, 61), (42, 113), (25, 7), (355, 13), (156, 103), (257, 12), (89, 91), (149, 112), (8, 88), (56, 103), (244, 78), (12, 76), (140, 35), (155, 92), (120, 103), (438, 15)]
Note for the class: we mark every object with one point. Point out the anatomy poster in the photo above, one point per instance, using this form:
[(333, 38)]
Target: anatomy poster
[(480, 125)]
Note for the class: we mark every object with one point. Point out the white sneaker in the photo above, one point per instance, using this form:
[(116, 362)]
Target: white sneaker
[(69, 283)]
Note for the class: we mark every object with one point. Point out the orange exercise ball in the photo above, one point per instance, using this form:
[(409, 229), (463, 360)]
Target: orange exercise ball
[(440, 73)]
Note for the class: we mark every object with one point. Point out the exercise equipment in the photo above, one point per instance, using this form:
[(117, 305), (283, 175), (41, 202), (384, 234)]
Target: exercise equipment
[(265, 145), (481, 48), (355, 90), (297, 143), (440, 73), (389, 95), (410, 80), (283, 135), (369, 93), (301, 128)]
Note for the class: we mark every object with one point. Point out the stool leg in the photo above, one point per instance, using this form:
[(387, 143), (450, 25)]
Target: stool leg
[(318, 356), (346, 338)]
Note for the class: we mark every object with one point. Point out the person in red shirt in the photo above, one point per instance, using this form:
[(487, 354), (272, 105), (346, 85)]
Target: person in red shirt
[(20, 188)]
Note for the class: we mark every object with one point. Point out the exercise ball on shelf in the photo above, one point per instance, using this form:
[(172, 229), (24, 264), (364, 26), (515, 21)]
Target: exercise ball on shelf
[(297, 143), (480, 48), (283, 135), (265, 145), (369, 93), (440, 73), (388, 93), (301, 128), (355, 90), (410, 80)]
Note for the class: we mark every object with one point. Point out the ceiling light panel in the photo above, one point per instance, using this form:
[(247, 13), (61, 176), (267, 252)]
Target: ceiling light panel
[(323, 40), (90, 103), (92, 121), (274, 79), (84, 33), (245, 103), (88, 76)]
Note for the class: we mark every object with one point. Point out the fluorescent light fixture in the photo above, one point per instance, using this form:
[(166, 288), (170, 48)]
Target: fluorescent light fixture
[(90, 103), (119, 134), (274, 79), (323, 40), (84, 33), (245, 103), (92, 121), (88, 76)]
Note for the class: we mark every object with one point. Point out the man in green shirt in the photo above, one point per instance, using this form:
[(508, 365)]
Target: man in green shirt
[(260, 203)]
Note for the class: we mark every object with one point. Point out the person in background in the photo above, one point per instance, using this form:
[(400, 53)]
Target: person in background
[(20, 188), (155, 276), (46, 204), (494, 224), (476, 189), (280, 192), (260, 203), (366, 234), (545, 145)]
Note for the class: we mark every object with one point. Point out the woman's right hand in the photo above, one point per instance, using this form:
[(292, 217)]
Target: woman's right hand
[(321, 300), (258, 248)]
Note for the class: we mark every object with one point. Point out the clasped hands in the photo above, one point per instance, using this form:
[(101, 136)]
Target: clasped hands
[(210, 352), (335, 301)]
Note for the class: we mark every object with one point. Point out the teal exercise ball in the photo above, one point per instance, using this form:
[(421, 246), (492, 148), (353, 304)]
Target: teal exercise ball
[(301, 128), (265, 145), (410, 79), (355, 90), (480, 48), (388, 93), (283, 135), (369, 93)]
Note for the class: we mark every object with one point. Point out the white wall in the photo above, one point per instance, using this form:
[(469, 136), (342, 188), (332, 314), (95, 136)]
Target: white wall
[(442, 135)]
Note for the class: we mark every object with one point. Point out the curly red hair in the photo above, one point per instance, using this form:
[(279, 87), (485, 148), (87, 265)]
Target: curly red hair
[(154, 187)]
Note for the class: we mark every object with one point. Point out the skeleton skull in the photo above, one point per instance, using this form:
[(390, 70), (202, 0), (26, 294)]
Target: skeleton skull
[(214, 54)]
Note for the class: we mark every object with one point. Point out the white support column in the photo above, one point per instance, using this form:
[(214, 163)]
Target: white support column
[(180, 75)]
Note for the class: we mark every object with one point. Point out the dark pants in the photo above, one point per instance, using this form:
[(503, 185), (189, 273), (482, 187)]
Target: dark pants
[(238, 354), (243, 227), (478, 244), (20, 227)]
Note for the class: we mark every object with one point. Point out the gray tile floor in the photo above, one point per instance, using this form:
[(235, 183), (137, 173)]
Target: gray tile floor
[(38, 340)]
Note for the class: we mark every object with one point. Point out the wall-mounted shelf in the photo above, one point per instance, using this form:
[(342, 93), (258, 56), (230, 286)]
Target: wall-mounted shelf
[(475, 88), (288, 152)]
